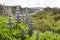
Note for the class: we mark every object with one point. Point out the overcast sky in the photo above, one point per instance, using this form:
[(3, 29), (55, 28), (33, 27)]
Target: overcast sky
[(32, 3)]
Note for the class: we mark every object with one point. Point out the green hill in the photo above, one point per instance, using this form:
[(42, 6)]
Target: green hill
[(47, 20)]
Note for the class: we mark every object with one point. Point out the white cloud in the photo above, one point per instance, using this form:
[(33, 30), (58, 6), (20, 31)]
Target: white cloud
[(2, 1), (32, 3)]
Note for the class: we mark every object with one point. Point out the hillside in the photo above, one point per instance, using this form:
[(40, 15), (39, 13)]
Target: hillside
[(47, 20)]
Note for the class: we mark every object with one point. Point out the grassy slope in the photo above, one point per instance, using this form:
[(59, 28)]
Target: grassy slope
[(47, 20)]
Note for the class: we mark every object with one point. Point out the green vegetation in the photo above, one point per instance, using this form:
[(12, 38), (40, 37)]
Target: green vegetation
[(14, 33), (11, 34), (47, 20)]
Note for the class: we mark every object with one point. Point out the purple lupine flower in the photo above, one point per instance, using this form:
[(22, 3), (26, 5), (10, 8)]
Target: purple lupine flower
[(10, 23), (26, 21), (25, 17), (18, 14), (18, 18), (30, 25), (30, 30)]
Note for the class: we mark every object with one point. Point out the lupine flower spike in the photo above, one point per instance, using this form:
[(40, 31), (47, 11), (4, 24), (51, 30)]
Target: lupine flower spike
[(10, 23), (26, 17), (30, 25), (18, 16)]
